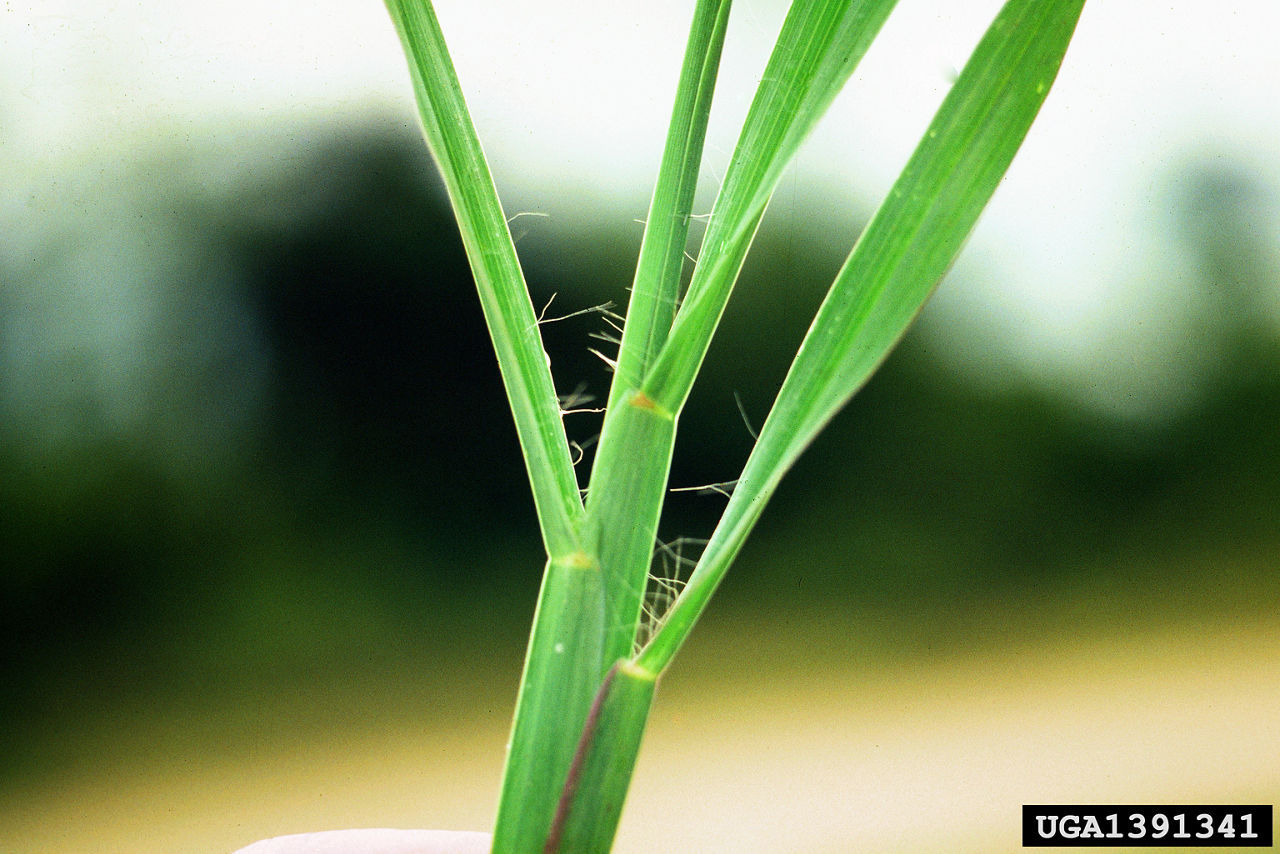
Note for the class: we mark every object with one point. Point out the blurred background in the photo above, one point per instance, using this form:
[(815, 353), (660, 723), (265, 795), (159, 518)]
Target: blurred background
[(267, 551)]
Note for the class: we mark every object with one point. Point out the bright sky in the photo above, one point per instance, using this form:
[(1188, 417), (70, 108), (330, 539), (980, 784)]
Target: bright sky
[(574, 95)]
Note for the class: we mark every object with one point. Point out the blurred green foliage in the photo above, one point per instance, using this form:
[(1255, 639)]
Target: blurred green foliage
[(276, 443)]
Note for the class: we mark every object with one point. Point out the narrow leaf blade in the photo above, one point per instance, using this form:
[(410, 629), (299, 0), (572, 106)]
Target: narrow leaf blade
[(656, 287), (820, 45), (894, 267), (452, 138)]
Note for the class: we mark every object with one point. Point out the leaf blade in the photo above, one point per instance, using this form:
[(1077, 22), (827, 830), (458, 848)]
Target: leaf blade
[(818, 49), (655, 290), (504, 297), (894, 267)]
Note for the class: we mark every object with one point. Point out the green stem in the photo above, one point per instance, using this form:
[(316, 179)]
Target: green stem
[(656, 287), (623, 509)]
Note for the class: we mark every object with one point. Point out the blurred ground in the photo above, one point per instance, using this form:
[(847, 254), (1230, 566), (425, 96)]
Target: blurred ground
[(753, 747)]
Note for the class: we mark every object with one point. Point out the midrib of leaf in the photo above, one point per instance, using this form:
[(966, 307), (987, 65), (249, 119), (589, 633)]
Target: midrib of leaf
[(895, 265)]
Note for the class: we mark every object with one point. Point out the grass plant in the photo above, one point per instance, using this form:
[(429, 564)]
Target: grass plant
[(594, 657)]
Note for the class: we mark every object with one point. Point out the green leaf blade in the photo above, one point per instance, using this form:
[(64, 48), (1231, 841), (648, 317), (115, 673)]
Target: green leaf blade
[(820, 44), (504, 297), (656, 287), (916, 234), (894, 267), (818, 49)]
